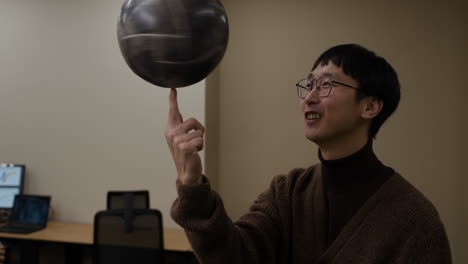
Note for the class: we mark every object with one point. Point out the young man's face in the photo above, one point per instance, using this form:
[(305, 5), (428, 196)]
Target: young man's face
[(339, 114)]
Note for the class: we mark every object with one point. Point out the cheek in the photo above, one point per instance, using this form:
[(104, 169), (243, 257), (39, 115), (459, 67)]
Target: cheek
[(332, 109), (339, 111), (343, 113)]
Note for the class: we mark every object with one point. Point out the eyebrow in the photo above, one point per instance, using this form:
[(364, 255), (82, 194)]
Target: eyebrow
[(325, 74)]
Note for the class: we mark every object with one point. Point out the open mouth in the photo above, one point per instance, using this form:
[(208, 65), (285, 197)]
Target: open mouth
[(312, 116)]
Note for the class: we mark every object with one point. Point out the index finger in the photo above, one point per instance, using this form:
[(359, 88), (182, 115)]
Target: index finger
[(174, 117)]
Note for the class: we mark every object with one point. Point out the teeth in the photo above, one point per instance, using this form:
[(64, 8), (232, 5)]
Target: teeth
[(311, 116)]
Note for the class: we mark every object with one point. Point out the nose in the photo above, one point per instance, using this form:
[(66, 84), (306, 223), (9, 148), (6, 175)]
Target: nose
[(312, 97)]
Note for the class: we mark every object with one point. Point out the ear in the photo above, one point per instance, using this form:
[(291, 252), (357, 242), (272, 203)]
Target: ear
[(371, 107)]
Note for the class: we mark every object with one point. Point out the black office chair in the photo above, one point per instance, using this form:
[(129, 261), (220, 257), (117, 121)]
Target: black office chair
[(128, 199), (128, 236)]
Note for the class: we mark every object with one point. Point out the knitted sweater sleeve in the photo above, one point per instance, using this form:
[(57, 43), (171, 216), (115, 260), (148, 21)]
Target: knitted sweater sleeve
[(254, 238), (428, 246), (427, 242)]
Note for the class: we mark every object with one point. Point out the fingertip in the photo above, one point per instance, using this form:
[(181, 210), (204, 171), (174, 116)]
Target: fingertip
[(174, 115), (173, 96)]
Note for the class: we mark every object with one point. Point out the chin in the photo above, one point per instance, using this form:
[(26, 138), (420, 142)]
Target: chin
[(317, 138), (313, 134), (312, 137)]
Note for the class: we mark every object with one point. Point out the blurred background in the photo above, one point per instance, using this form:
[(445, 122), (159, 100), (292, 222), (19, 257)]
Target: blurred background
[(83, 123)]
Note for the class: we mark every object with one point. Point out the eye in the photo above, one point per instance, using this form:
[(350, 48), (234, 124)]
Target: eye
[(307, 85), (326, 84)]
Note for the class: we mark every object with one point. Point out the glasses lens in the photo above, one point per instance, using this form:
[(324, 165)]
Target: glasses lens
[(324, 86), (303, 88)]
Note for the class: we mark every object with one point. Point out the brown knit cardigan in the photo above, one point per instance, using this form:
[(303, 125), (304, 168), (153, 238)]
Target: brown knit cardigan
[(287, 224)]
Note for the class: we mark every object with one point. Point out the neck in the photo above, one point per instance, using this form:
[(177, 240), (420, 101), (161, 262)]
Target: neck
[(342, 148)]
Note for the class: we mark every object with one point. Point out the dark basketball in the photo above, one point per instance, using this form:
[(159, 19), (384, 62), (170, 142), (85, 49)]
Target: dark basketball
[(173, 43)]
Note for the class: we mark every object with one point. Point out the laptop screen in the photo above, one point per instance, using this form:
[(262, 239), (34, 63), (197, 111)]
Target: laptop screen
[(11, 183), (30, 209)]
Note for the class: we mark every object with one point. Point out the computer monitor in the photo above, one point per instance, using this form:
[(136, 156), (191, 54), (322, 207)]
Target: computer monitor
[(11, 183)]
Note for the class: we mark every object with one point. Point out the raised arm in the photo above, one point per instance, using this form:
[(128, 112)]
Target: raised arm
[(258, 237), (185, 140)]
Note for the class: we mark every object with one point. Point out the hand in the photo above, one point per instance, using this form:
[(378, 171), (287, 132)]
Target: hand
[(185, 139)]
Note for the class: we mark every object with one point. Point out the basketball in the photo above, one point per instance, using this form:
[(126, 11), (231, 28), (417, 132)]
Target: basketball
[(172, 43)]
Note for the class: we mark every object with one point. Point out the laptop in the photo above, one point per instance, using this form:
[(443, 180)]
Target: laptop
[(29, 214)]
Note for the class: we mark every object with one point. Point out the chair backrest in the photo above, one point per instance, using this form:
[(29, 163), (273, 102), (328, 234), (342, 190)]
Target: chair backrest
[(128, 199), (115, 243)]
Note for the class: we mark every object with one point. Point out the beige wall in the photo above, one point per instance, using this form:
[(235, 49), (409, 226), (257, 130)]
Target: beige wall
[(274, 43), (212, 127), (463, 205), (74, 113)]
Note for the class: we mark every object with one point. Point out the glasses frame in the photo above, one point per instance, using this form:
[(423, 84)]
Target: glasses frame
[(333, 82)]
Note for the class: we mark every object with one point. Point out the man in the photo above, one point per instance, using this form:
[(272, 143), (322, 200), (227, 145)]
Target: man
[(350, 208)]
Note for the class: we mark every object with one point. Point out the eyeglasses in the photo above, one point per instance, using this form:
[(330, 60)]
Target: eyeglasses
[(323, 86)]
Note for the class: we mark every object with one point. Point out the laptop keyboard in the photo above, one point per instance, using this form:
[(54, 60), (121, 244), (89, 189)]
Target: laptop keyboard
[(18, 229)]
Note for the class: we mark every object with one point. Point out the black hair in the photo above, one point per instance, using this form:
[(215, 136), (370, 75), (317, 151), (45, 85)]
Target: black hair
[(375, 75)]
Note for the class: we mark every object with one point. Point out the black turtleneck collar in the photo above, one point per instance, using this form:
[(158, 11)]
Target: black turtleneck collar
[(359, 167), (348, 183)]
